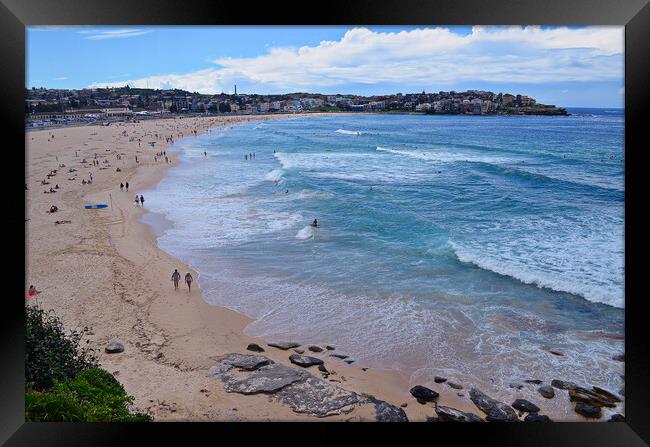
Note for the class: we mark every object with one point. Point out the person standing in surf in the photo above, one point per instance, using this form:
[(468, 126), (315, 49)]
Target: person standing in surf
[(176, 277), (188, 280), (141, 200)]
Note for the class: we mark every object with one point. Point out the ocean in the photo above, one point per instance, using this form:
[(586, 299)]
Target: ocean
[(462, 246)]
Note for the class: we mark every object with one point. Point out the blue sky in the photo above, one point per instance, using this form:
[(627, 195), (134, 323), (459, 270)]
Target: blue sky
[(569, 67)]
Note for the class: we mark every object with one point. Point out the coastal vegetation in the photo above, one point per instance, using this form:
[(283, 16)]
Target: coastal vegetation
[(62, 379)]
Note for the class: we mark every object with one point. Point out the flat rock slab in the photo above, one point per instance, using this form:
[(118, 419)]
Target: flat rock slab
[(247, 362), (496, 411), (114, 347), (267, 379), (562, 385), (294, 387), (340, 356), (385, 412), (304, 360), (284, 345)]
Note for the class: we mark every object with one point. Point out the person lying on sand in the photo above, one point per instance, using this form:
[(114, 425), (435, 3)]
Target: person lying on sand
[(59, 222), (53, 209)]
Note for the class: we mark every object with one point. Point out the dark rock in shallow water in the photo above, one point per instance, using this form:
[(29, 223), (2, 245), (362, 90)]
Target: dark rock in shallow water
[(114, 347), (587, 410), (562, 385), (439, 379), (284, 345), (314, 348), (534, 417), (534, 381), (348, 361), (455, 385), (619, 358), (622, 391), (385, 412), (304, 360), (496, 411), (616, 418), (339, 356), (583, 395), (526, 406), (604, 394), (517, 386), (255, 347), (299, 351), (448, 414), (547, 391), (322, 368), (423, 394), (330, 347)]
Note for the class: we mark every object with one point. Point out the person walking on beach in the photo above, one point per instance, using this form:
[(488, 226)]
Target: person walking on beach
[(188, 280), (141, 200), (137, 200), (127, 186), (176, 277), (121, 186)]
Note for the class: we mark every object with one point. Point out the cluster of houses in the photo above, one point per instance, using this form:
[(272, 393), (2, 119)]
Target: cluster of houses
[(102, 103)]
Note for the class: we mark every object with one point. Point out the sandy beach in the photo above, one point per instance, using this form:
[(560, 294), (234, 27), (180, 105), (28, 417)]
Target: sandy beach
[(104, 271)]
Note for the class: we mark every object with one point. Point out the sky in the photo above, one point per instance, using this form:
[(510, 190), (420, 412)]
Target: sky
[(565, 66)]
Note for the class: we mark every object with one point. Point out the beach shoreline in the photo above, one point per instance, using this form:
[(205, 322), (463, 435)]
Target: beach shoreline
[(105, 271)]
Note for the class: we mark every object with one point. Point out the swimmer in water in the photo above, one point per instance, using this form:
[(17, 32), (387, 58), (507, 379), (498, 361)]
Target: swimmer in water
[(315, 223)]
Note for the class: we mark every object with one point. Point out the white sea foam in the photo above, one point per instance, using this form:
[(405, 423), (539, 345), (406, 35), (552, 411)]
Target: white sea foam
[(350, 132), (274, 175), (596, 287), (448, 157), (305, 233)]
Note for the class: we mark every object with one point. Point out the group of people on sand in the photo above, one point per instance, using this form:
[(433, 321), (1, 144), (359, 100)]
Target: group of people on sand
[(176, 277)]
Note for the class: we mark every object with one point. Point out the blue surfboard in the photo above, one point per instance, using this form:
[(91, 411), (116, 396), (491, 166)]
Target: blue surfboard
[(95, 206)]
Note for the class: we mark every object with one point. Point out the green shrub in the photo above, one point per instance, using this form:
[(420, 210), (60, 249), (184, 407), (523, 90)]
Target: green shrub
[(94, 395), (50, 354)]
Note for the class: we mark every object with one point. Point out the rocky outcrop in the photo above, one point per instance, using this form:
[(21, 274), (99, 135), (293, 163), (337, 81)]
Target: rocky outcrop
[(448, 414), (385, 412), (315, 348), (284, 345), (294, 387), (423, 394), (438, 379), (496, 411)]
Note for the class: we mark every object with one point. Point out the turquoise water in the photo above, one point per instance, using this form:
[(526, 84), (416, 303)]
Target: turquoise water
[(455, 245)]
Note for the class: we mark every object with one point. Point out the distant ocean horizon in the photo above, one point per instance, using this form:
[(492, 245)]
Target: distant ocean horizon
[(460, 245)]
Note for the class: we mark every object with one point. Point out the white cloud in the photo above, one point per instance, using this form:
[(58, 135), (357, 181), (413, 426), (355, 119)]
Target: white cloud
[(427, 56), (113, 34), (60, 78)]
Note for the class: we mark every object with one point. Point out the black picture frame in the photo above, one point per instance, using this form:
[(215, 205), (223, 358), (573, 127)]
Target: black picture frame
[(15, 15)]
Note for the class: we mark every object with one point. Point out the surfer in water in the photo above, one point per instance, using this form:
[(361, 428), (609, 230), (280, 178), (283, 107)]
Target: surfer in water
[(315, 223)]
